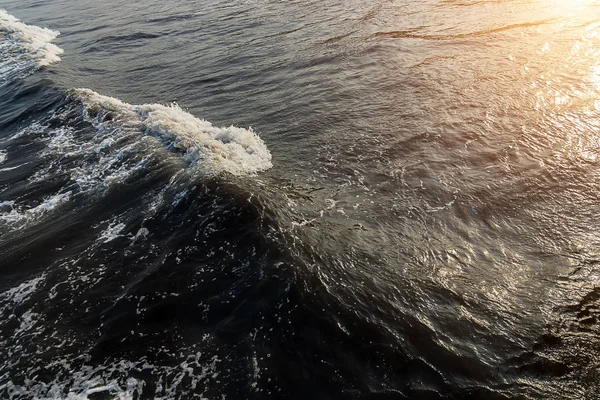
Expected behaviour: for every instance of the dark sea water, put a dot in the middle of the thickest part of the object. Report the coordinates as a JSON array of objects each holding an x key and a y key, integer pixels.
[{"x": 300, "y": 199}]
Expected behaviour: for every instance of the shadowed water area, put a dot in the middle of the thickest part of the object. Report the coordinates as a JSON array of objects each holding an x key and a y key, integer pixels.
[{"x": 300, "y": 200}]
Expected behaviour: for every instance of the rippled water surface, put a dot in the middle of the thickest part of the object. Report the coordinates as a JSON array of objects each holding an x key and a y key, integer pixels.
[{"x": 304, "y": 199}]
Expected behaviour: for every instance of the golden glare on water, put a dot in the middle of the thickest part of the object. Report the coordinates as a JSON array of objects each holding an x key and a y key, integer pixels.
[{"x": 570, "y": 55}]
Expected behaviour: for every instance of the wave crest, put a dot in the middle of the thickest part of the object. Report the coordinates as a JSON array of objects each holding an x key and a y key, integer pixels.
[
  {"x": 24, "y": 48},
  {"x": 237, "y": 151}
]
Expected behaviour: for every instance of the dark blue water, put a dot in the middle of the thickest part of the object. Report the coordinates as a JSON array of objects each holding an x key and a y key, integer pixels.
[{"x": 300, "y": 200}]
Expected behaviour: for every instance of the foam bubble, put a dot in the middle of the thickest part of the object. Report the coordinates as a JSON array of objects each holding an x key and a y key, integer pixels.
[
  {"x": 2, "y": 156},
  {"x": 24, "y": 48},
  {"x": 213, "y": 149}
]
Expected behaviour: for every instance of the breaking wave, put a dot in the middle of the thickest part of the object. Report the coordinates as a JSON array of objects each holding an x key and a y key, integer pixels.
[
  {"x": 90, "y": 143},
  {"x": 24, "y": 48}
]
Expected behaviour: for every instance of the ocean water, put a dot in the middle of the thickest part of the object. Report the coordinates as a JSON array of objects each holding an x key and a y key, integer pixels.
[{"x": 255, "y": 199}]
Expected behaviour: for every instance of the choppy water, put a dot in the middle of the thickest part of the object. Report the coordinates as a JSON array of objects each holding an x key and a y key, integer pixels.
[{"x": 392, "y": 199}]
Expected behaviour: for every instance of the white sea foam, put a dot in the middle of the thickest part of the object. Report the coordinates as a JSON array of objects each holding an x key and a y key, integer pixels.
[
  {"x": 2, "y": 156},
  {"x": 114, "y": 381},
  {"x": 19, "y": 294},
  {"x": 213, "y": 149},
  {"x": 141, "y": 235},
  {"x": 18, "y": 218},
  {"x": 97, "y": 165},
  {"x": 112, "y": 232},
  {"x": 24, "y": 48}
]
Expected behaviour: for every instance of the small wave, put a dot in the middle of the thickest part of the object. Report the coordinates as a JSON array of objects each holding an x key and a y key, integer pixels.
[
  {"x": 24, "y": 48},
  {"x": 2, "y": 156},
  {"x": 234, "y": 150},
  {"x": 413, "y": 33}
]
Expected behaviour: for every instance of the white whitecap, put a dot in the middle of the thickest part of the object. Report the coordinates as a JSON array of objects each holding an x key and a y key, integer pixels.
[
  {"x": 24, "y": 48},
  {"x": 237, "y": 151}
]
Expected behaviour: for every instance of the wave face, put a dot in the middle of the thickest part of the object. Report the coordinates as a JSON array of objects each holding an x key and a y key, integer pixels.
[{"x": 24, "y": 48}]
